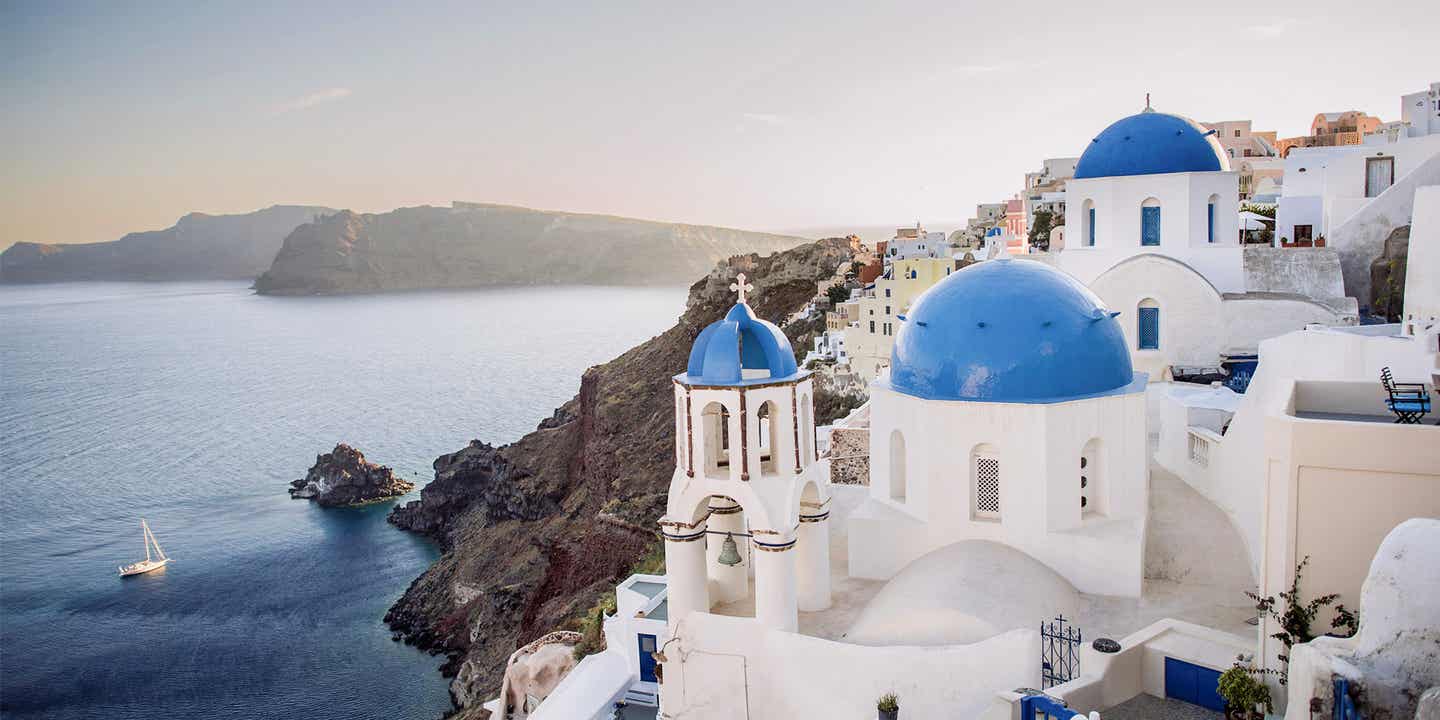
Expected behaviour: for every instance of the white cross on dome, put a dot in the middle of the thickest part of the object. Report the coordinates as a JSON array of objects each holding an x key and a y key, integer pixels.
[{"x": 741, "y": 287}]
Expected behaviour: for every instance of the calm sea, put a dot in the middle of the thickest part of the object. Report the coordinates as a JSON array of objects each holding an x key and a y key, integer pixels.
[{"x": 193, "y": 406}]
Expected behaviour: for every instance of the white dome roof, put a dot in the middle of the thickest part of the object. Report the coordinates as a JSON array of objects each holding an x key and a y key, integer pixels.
[{"x": 963, "y": 593}]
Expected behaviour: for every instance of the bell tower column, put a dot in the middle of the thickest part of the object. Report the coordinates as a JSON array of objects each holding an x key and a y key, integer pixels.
[
  {"x": 775, "y": 582},
  {"x": 730, "y": 582},
  {"x": 812, "y": 547},
  {"x": 685, "y": 571}
]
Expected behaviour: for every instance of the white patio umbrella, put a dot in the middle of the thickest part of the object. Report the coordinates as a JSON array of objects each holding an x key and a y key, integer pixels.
[{"x": 1253, "y": 221}]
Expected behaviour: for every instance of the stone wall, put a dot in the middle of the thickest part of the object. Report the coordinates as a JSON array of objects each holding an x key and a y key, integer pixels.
[
  {"x": 850, "y": 456},
  {"x": 1311, "y": 272}
]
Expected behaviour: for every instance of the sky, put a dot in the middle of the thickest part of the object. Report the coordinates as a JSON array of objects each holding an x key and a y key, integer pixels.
[{"x": 125, "y": 116}]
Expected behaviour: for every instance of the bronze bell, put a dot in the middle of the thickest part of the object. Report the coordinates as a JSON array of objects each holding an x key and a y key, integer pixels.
[{"x": 729, "y": 551}]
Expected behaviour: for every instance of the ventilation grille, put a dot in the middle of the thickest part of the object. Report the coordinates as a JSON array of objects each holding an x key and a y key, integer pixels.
[{"x": 987, "y": 487}]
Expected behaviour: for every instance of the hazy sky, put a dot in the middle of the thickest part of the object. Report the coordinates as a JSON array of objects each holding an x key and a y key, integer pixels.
[{"x": 124, "y": 116}]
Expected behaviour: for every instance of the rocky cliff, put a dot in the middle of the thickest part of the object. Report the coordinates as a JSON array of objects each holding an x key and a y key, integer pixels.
[
  {"x": 474, "y": 245},
  {"x": 534, "y": 532},
  {"x": 198, "y": 247},
  {"x": 344, "y": 477}
]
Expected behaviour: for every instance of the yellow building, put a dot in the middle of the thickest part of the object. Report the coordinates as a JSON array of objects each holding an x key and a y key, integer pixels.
[
  {"x": 840, "y": 318},
  {"x": 872, "y": 331}
]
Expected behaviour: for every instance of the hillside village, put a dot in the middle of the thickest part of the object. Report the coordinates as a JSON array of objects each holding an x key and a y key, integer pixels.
[{"x": 1152, "y": 437}]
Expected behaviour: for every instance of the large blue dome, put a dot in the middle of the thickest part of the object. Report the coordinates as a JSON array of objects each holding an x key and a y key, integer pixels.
[
  {"x": 727, "y": 348},
  {"x": 1151, "y": 143},
  {"x": 1010, "y": 331}
]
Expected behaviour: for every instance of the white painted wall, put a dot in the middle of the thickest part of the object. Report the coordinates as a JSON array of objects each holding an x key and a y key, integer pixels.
[
  {"x": 1109, "y": 679},
  {"x": 1183, "y": 201},
  {"x": 1192, "y": 330},
  {"x": 1392, "y": 658},
  {"x": 1235, "y": 477},
  {"x": 1039, "y": 447},
  {"x": 1422, "y": 279},
  {"x": 724, "y": 667},
  {"x": 1335, "y": 489}
]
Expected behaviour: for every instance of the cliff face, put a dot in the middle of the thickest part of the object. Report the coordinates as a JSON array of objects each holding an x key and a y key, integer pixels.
[
  {"x": 527, "y": 544},
  {"x": 344, "y": 477},
  {"x": 198, "y": 247},
  {"x": 473, "y": 245}
]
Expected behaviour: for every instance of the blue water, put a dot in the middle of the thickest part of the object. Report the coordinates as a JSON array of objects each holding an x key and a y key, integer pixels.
[{"x": 193, "y": 405}]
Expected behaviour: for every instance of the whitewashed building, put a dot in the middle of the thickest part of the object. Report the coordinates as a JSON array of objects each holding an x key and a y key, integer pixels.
[{"x": 1152, "y": 226}]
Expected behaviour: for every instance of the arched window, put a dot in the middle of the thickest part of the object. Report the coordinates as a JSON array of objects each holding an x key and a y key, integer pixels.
[
  {"x": 897, "y": 466},
  {"x": 1092, "y": 479},
  {"x": 1150, "y": 223},
  {"x": 985, "y": 483},
  {"x": 1147, "y": 318},
  {"x": 715, "y": 434},
  {"x": 767, "y": 416},
  {"x": 681, "y": 436},
  {"x": 1088, "y": 218},
  {"x": 1210, "y": 218},
  {"x": 807, "y": 433}
]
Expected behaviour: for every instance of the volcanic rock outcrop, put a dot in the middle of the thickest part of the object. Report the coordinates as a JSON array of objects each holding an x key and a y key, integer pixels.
[
  {"x": 344, "y": 477},
  {"x": 534, "y": 532}
]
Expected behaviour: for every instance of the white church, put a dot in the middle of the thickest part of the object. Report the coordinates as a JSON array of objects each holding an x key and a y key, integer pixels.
[
  {"x": 1153, "y": 229},
  {"x": 1047, "y": 518}
]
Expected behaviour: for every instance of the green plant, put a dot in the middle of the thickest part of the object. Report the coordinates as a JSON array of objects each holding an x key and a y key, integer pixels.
[
  {"x": 1242, "y": 690},
  {"x": 1294, "y": 617},
  {"x": 888, "y": 702},
  {"x": 1266, "y": 209},
  {"x": 1040, "y": 229},
  {"x": 837, "y": 293}
]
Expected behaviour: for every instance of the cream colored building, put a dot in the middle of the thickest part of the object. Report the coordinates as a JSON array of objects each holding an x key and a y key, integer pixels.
[{"x": 872, "y": 330}]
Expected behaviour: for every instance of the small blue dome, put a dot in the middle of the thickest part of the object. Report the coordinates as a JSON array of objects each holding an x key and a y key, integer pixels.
[
  {"x": 740, "y": 342},
  {"x": 1151, "y": 143},
  {"x": 1010, "y": 331}
]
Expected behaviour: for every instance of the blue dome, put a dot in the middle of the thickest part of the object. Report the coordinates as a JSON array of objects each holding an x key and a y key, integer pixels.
[
  {"x": 1151, "y": 143},
  {"x": 740, "y": 342},
  {"x": 1010, "y": 331}
]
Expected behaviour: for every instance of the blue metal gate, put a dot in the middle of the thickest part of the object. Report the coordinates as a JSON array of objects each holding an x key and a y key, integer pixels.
[
  {"x": 1193, "y": 684},
  {"x": 1042, "y": 707},
  {"x": 1059, "y": 655}
]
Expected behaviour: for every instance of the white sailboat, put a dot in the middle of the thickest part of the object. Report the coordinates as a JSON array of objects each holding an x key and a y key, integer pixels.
[{"x": 151, "y": 562}]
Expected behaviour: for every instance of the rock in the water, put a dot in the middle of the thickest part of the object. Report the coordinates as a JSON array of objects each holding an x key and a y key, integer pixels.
[{"x": 344, "y": 477}]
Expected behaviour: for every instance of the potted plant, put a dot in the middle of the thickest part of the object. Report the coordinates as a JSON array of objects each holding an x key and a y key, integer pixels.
[
  {"x": 1246, "y": 697},
  {"x": 888, "y": 706}
]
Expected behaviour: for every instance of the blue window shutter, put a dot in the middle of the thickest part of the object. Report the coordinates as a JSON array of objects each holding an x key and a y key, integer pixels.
[
  {"x": 1149, "y": 328},
  {"x": 1150, "y": 226},
  {"x": 1091, "y": 231},
  {"x": 1210, "y": 223}
]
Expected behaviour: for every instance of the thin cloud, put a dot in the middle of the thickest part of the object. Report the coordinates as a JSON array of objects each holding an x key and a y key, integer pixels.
[
  {"x": 973, "y": 70},
  {"x": 765, "y": 118},
  {"x": 305, "y": 102},
  {"x": 1274, "y": 29}
]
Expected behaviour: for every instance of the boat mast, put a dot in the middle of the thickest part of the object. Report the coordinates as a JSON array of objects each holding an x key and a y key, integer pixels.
[{"x": 146, "y": 530}]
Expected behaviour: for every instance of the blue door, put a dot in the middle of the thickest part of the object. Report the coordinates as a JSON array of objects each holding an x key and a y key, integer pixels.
[
  {"x": 1149, "y": 328},
  {"x": 647, "y": 661},
  {"x": 1210, "y": 223},
  {"x": 1193, "y": 684},
  {"x": 1150, "y": 226},
  {"x": 1090, "y": 230}
]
